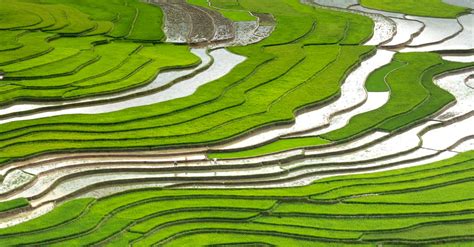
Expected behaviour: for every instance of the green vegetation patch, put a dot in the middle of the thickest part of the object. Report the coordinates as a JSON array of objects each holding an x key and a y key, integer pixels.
[
  {"x": 340, "y": 211},
  {"x": 60, "y": 215},
  {"x": 247, "y": 238},
  {"x": 376, "y": 80},
  {"x": 13, "y": 204},
  {"x": 229, "y": 9},
  {"x": 431, "y": 8},
  {"x": 453, "y": 192},
  {"x": 105, "y": 68},
  {"x": 452, "y": 229}
]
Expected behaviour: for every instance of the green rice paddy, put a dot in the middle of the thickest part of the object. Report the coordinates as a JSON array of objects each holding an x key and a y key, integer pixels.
[
  {"x": 54, "y": 51},
  {"x": 394, "y": 207}
]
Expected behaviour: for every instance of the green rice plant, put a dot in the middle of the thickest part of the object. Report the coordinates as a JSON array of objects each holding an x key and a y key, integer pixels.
[
  {"x": 50, "y": 15},
  {"x": 59, "y": 14},
  {"x": 86, "y": 222},
  {"x": 9, "y": 39},
  {"x": 61, "y": 215},
  {"x": 291, "y": 23},
  {"x": 437, "y": 99},
  {"x": 117, "y": 18},
  {"x": 227, "y": 4},
  {"x": 101, "y": 84},
  {"x": 360, "y": 223},
  {"x": 80, "y": 43},
  {"x": 57, "y": 54},
  {"x": 15, "y": 15},
  {"x": 147, "y": 24},
  {"x": 433, "y": 8},
  {"x": 33, "y": 44},
  {"x": 368, "y": 223},
  {"x": 114, "y": 225},
  {"x": 105, "y": 59},
  {"x": 78, "y": 22},
  {"x": 125, "y": 18},
  {"x": 123, "y": 240},
  {"x": 97, "y": 10},
  {"x": 150, "y": 224},
  {"x": 376, "y": 80},
  {"x": 69, "y": 65},
  {"x": 146, "y": 207},
  {"x": 233, "y": 12},
  {"x": 32, "y": 94},
  {"x": 121, "y": 65},
  {"x": 13, "y": 204},
  {"x": 56, "y": 18},
  {"x": 335, "y": 27},
  {"x": 328, "y": 30},
  {"x": 461, "y": 229},
  {"x": 102, "y": 28},
  {"x": 167, "y": 234},
  {"x": 122, "y": 218},
  {"x": 450, "y": 192},
  {"x": 411, "y": 183},
  {"x": 236, "y": 238},
  {"x": 354, "y": 209},
  {"x": 358, "y": 29}
]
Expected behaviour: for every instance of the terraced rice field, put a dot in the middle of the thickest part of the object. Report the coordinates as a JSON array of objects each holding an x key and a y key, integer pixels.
[{"x": 236, "y": 123}]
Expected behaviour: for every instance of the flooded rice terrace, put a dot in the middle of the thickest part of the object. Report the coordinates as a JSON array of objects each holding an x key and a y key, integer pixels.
[{"x": 50, "y": 178}]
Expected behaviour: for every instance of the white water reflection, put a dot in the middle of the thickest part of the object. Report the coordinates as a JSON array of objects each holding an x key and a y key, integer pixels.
[
  {"x": 224, "y": 62},
  {"x": 350, "y": 170},
  {"x": 14, "y": 180},
  {"x": 394, "y": 145},
  {"x": 55, "y": 185},
  {"x": 462, "y": 3},
  {"x": 375, "y": 11},
  {"x": 406, "y": 29},
  {"x": 26, "y": 215},
  {"x": 443, "y": 138},
  {"x": 459, "y": 58},
  {"x": 456, "y": 85},
  {"x": 336, "y": 3},
  {"x": 436, "y": 29},
  {"x": 350, "y": 145},
  {"x": 374, "y": 101},
  {"x": 466, "y": 146},
  {"x": 462, "y": 41},
  {"x": 384, "y": 29}
]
